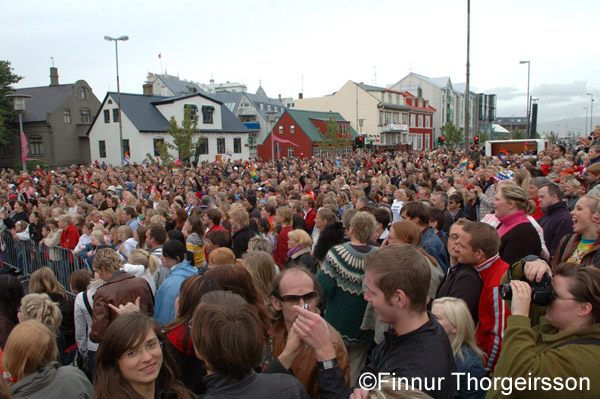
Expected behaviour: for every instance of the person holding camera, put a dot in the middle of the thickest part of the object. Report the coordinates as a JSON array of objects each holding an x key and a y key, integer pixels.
[{"x": 565, "y": 345}]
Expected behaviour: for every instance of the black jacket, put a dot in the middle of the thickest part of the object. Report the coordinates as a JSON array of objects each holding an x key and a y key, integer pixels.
[
  {"x": 254, "y": 385},
  {"x": 240, "y": 241},
  {"x": 463, "y": 282}
]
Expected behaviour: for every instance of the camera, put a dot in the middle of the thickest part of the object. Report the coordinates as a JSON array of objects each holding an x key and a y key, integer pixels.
[{"x": 542, "y": 293}]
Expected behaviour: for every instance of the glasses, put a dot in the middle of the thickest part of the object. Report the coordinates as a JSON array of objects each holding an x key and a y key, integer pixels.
[
  {"x": 295, "y": 299},
  {"x": 150, "y": 347}
]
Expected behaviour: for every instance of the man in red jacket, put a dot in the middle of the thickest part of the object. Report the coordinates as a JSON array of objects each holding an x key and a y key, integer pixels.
[{"x": 478, "y": 245}]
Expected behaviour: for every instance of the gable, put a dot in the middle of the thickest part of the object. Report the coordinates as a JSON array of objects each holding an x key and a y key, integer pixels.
[{"x": 43, "y": 100}]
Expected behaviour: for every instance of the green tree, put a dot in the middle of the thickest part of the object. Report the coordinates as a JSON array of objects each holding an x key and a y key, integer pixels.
[
  {"x": 332, "y": 139},
  {"x": 519, "y": 134},
  {"x": 452, "y": 135},
  {"x": 7, "y": 78},
  {"x": 183, "y": 138}
]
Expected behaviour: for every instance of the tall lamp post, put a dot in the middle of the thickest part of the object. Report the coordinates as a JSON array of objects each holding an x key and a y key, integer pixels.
[
  {"x": 467, "y": 91},
  {"x": 19, "y": 107},
  {"x": 585, "y": 126},
  {"x": 591, "y": 110},
  {"x": 528, "y": 101},
  {"x": 271, "y": 125},
  {"x": 116, "y": 40}
]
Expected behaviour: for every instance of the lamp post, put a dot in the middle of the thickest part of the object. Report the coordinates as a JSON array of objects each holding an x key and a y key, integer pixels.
[
  {"x": 467, "y": 109},
  {"x": 271, "y": 121},
  {"x": 528, "y": 102},
  {"x": 585, "y": 126},
  {"x": 19, "y": 107},
  {"x": 591, "y": 110},
  {"x": 116, "y": 40}
]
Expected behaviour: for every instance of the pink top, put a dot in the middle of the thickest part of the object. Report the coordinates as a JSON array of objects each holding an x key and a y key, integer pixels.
[{"x": 510, "y": 221}]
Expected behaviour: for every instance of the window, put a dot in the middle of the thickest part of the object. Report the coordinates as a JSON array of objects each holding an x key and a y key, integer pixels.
[
  {"x": 82, "y": 93},
  {"x": 86, "y": 115},
  {"x": 67, "y": 115},
  {"x": 202, "y": 148},
  {"x": 390, "y": 98},
  {"x": 36, "y": 145},
  {"x": 102, "y": 148},
  {"x": 405, "y": 119},
  {"x": 126, "y": 149},
  {"x": 262, "y": 106},
  {"x": 420, "y": 119},
  {"x": 396, "y": 117},
  {"x": 193, "y": 111},
  {"x": 388, "y": 118},
  {"x": 155, "y": 142},
  {"x": 207, "y": 113},
  {"x": 268, "y": 107},
  {"x": 6, "y": 150},
  {"x": 292, "y": 129},
  {"x": 116, "y": 114},
  {"x": 380, "y": 118},
  {"x": 419, "y": 142},
  {"x": 290, "y": 152},
  {"x": 220, "y": 145},
  {"x": 427, "y": 142},
  {"x": 237, "y": 145},
  {"x": 280, "y": 129},
  {"x": 428, "y": 121},
  {"x": 412, "y": 120},
  {"x": 106, "y": 116}
]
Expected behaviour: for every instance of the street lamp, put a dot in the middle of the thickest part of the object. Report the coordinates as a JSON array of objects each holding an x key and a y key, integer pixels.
[
  {"x": 271, "y": 125},
  {"x": 591, "y": 109},
  {"x": 19, "y": 107},
  {"x": 528, "y": 103},
  {"x": 585, "y": 126},
  {"x": 116, "y": 40}
]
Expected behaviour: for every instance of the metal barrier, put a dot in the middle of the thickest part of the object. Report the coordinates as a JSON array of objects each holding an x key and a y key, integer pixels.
[{"x": 29, "y": 257}]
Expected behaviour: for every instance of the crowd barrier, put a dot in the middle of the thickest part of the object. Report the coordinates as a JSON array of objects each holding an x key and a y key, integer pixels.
[{"x": 29, "y": 257}]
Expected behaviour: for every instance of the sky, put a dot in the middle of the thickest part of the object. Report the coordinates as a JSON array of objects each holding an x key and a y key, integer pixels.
[{"x": 315, "y": 46}]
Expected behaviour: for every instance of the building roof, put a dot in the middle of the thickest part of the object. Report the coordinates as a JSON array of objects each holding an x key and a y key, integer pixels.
[
  {"x": 304, "y": 120},
  {"x": 142, "y": 112},
  {"x": 232, "y": 100},
  {"x": 180, "y": 87},
  {"x": 44, "y": 100}
]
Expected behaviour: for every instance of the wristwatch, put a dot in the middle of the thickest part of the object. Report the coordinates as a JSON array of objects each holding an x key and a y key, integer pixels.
[{"x": 327, "y": 364}]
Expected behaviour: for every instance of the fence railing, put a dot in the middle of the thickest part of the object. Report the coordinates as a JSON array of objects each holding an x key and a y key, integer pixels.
[{"x": 29, "y": 257}]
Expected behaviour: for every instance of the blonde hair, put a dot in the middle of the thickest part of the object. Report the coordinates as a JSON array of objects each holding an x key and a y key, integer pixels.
[
  {"x": 30, "y": 345},
  {"x": 40, "y": 307},
  {"x": 261, "y": 266},
  {"x": 286, "y": 214},
  {"x": 458, "y": 314},
  {"x": 301, "y": 237},
  {"x": 240, "y": 216},
  {"x": 522, "y": 177},
  {"x": 514, "y": 193},
  {"x": 221, "y": 256},
  {"x": 125, "y": 232},
  {"x": 43, "y": 281},
  {"x": 142, "y": 257}
]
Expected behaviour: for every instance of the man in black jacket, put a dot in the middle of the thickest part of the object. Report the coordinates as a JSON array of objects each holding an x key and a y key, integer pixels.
[{"x": 416, "y": 346}]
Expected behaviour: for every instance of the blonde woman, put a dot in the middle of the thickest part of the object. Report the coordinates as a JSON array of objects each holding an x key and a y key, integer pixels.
[
  {"x": 262, "y": 268},
  {"x": 454, "y": 316},
  {"x": 141, "y": 264},
  {"x": 299, "y": 244},
  {"x": 41, "y": 308},
  {"x": 126, "y": 241}
]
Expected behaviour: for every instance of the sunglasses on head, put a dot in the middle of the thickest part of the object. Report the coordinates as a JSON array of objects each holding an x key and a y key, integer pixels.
[{"x": 295, "y": 299}]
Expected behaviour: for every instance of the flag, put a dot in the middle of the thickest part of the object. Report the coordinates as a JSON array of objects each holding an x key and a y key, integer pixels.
[
  {"x": 253, "y": 172},
  {"x": 159, "y": 56},
  {"x": 462, "y": 164},
  {"x": 503, "y": 153},
  {"x": 24, "y": 147}
]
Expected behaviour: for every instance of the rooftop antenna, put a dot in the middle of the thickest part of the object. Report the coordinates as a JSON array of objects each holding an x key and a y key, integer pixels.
[{"x": 52, "y": 58}]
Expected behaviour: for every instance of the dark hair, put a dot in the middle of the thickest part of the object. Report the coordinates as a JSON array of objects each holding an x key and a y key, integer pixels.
[
  {"x": 554, "y": 190},
  {"x": 214, "y": 215},
  {"x": 158, "y": 232},
  {"x": 263, "y": 225},
  {"x": 416, "y": 210},
  {"x": 176, "y": 235},
  {"x": 124, "y": 333},
  {"x": 80, "y": 279},
  {"x": 174, "y": 249},
  {"x": 585, "y": 284},
  {"x": 197, "y": 224},
  {"x": 457, "y": 198},
  {"x": 191, "y": 292},
  {"x": 131, "y": 212},
  {"x": 226, "y": 332},
  {"x": 438, "y": 216},
  {"x": 220, "y": 237},
  {"x": 11, "y": 292},
  {"x": 141, "y": 233},
  {"x": 382, "y": 217}
]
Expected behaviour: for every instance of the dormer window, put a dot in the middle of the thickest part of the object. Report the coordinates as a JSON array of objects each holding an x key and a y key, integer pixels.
[{"x": 207, "y": 113}]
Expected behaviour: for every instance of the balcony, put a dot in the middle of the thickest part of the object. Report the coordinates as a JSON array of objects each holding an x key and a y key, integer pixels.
[
  {"x": 247, "y": 111},
  {"x": 392, "y": 127}
]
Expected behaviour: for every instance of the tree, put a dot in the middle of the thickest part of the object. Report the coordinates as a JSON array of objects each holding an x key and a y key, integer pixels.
[
  {"x": 183, "y": 138},
  {"x": 519, "y": 134},
  {"x": 333, "y": 140},
  {"x": 452, "y": 135},
  {"x": 7, "y": 113}
]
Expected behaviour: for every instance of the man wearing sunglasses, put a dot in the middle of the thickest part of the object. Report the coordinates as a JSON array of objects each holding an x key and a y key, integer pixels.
[{"x": 296, "y": 286}]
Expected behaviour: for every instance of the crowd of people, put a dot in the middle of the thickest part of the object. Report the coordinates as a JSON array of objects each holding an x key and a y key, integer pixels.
[{"x": 297, "y": 278}]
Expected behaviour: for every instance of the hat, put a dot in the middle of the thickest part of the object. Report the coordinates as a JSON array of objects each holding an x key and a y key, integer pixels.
[
  {"x": 252, "y": 200},
  {"x": 345, "y": 187}
]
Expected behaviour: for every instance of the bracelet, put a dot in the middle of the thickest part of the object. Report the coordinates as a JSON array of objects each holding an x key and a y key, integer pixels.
[{"x": 327, "y": 364}]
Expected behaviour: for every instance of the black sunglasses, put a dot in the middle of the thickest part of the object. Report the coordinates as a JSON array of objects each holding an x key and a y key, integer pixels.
[{"x": 295, "y": 299}]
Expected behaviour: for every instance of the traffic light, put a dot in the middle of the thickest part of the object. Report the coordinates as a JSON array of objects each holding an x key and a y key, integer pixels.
[
  {"x": 476, "y": 139},
  {"x": 359, "y": 142},
  {"x": 441, "y": 140}
]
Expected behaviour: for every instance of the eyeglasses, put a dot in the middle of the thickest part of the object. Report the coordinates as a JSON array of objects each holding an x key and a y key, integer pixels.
[
  {"x": 150, "y": 347},
  {"x": 295, "y": 299}
]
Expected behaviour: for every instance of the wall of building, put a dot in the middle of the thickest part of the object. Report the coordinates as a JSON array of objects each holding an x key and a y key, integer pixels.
[{"x": 304, "y": 148}]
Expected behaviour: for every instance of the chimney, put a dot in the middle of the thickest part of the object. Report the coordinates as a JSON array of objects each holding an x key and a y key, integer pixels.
[
  {"x": 53, "y": 76},
  {"x": 148, "y": 89},
  {"x": 300, "y": 96},
  {"x": 279, "y": 97}
]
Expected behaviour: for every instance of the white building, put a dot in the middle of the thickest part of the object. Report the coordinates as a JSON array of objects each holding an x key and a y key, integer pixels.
[
  {"x": 145, "y": 119},
  {"x": 169, "y": 86}
]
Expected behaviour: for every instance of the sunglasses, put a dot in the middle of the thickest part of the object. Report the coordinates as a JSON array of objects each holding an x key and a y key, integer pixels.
[{"x": 295, "y": 299}]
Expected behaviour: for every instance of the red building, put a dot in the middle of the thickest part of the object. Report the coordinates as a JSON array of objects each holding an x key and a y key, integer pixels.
[
  {"x": 420, "y": 122},
  {"x": 299, "y": 133}
]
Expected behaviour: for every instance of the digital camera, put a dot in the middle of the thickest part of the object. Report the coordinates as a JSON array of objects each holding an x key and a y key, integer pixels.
[{"x": 542, "y": 293}]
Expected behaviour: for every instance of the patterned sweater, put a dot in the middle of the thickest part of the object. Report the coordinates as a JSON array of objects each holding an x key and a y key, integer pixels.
[{"x": 341, "y": 278}]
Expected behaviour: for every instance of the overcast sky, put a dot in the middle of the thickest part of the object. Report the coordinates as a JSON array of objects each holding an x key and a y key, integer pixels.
[{"x": 316, "y": 46}]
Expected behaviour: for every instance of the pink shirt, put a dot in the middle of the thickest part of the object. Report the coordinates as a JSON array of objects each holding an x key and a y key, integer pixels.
[{"x": 510, "y": 221}]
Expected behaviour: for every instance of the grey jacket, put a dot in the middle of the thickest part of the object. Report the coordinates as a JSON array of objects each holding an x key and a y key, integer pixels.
[{"x": 53, "y": 381}]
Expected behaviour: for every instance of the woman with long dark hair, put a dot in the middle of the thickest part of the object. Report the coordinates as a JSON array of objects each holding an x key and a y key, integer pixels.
[
  {"x": 179, "y": 340},
  {"x": 131, "y": 362},
  {"x": 11, "y": 292}
]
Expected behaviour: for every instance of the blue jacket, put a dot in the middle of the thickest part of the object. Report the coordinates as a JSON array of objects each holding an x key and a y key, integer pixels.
[
  {"x": 164, "y": 307},
  {"x": 472, "y": 367},
  {"x": 432, "y": 244}
]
